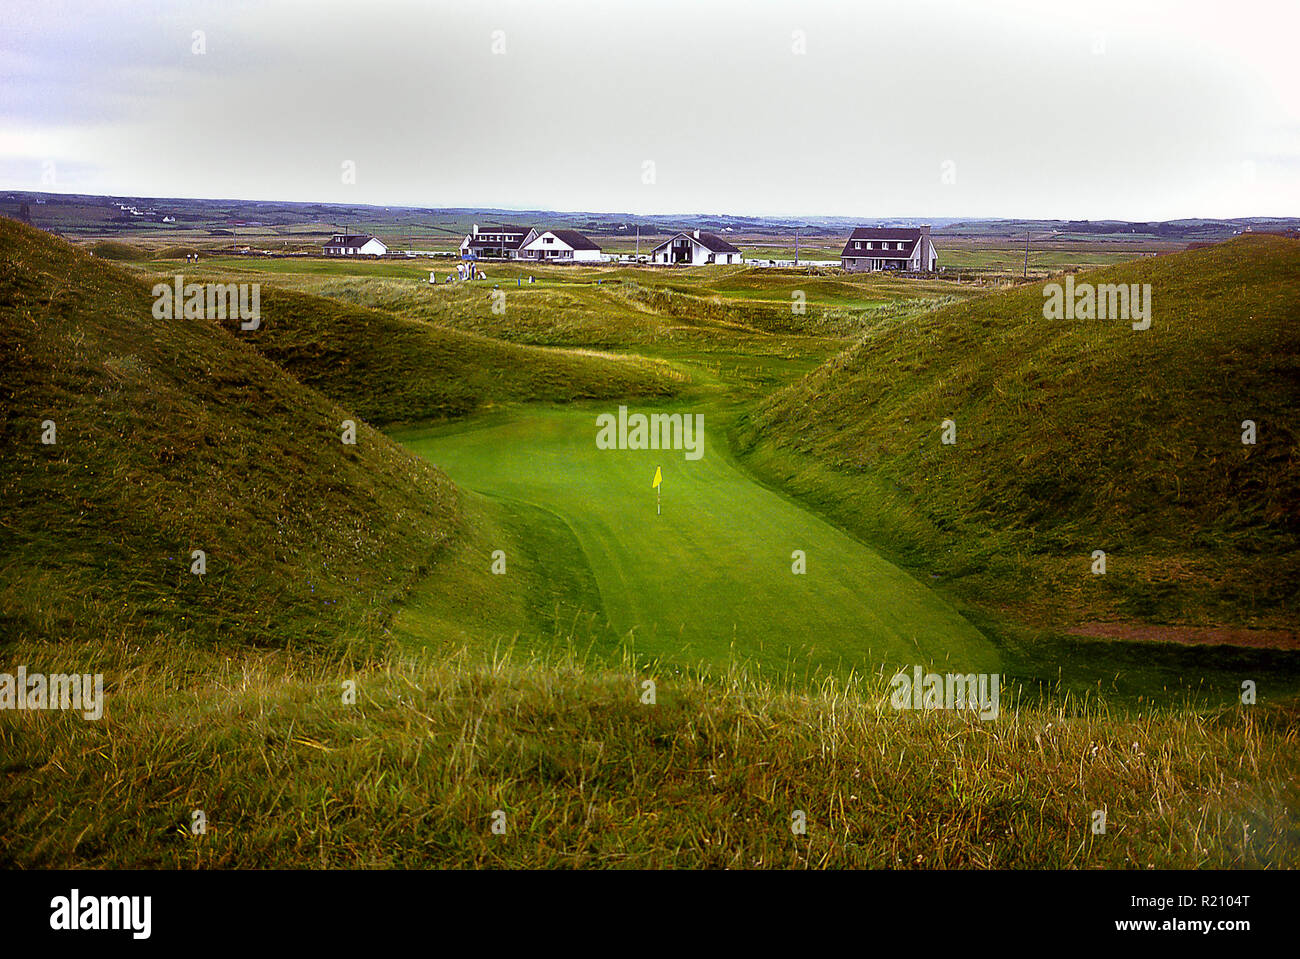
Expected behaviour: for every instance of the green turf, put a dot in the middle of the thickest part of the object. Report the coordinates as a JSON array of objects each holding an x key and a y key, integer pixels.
[
  {"x": 710, "y": 578},
  {"x": 605, "y": 306},
  {"x": 180, "y": 433},
  {"x": 390, "y": 369},
  {"x": 1073, "y": 435},
  {"x": 171, "y": 435}
]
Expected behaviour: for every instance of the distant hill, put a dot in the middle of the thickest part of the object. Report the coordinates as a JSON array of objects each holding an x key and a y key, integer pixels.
[
  {"x": 1074, "y": 436},
  {"x": 287, "y": 221},
  {"x": 173, "y": 436}
]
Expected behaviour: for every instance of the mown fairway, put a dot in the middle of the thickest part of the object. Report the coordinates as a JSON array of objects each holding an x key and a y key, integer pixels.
[{"x": 711, "y": 577}]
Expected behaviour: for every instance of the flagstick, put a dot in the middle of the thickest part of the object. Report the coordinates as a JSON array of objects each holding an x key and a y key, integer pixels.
[{"x": 659, "y": 492}]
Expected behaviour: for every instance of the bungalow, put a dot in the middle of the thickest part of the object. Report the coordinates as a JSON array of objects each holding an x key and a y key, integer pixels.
[
  {"x": 886, "y": 248},
  {"x": 694, "y": 249},
  {"x": 563, "y": 246},
  {"x": 355, "y": 244},
  {"x": 501, "y": 242}
]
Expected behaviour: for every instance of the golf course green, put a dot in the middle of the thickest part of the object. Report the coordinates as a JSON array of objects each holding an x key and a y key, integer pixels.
[{"x": 710, "y": 580}]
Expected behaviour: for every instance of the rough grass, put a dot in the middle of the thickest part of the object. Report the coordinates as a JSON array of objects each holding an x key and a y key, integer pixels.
[
  {"x": 586, "y": 775},
  {"x": 179, "y": 252},
  {"x": 224, "y": 693},
  {"x": 1072, "y": 436},
  {"x": 559, "y": 313},
  {"x": 173, "y": 436},
  {"x": 616, "y": 306},
  {"x": 116, "y": 250},
  {"x": 392, "y": 369}
]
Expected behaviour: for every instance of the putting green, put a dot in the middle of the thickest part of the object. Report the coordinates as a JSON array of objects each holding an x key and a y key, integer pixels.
[{"x": 710, "y": 578}]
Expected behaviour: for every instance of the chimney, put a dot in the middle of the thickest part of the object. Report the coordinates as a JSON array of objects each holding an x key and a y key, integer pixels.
[
  {"x": 697, "y": 234},
  {"x": 474, "y": 231},
  {"x": 925, "y": 229}
]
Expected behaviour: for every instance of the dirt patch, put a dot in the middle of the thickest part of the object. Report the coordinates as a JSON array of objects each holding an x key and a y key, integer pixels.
[{"x": 1192, "y": 635}]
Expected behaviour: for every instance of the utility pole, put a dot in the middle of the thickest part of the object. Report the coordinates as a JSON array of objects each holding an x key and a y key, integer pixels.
[
  {"x": 796, "y": 247},
  {"x": 638, "y": 241},
  {"x": 1026, "y": 274}
]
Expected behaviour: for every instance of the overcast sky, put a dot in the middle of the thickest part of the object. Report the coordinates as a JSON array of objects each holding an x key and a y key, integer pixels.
[{"x": 1098, "y": 109}]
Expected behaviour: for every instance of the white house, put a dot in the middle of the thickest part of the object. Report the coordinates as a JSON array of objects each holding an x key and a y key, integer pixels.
[
  {"x": 355, "y": 244},
  {"x": 694, "y": 249},
  {"x": 886, "y": 248},
  {"x": 564, "y": 246},
  {"x": 501, "y": 242}
]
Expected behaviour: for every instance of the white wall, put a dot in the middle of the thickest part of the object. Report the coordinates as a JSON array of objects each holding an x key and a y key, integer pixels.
[
  {"x": 557, "y": 249},
  {"x": 699, "y": 254}
]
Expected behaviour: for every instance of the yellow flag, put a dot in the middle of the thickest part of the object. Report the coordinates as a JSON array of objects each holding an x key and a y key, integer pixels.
[{"x": 659, "y": 477}]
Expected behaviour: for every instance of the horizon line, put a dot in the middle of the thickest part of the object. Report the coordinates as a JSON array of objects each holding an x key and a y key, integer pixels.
[{"x": 630, "y": 213}]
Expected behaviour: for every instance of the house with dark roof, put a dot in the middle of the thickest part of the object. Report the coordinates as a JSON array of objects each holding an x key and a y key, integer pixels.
[
  {"x": 695, "y": 249},
  {"x": 501, "y": 242},
  {"x": 888, "y": 248},
  {"x": 560, "y": 246},
  {"x": 355, "y": 244}
]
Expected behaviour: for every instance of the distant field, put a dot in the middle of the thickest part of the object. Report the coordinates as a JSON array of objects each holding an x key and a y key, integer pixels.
[
  {"x": 988, "y": 249},
  {"x": 1009, "y": 259},
  {"x": 953, "y": 255},
  {"x": 785, "y": 251}
]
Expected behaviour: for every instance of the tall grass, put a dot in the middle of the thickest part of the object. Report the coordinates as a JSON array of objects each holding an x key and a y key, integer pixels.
[
  {"x": 1073, "y": 436},
  {"x": 588, "y": 775}
]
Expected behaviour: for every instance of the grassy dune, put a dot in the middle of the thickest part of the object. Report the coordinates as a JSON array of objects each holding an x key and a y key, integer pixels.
[
  {"x": 610, "y": 306},
  {"x": 1073, "y": 436},
  {"x": 478, "y": 693},
  {"x": 116, "y": 250},
  {"x": 393, "y": 369},
  {"x": 173, "y": 436},
  {"x": 565, "y": 307}
]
